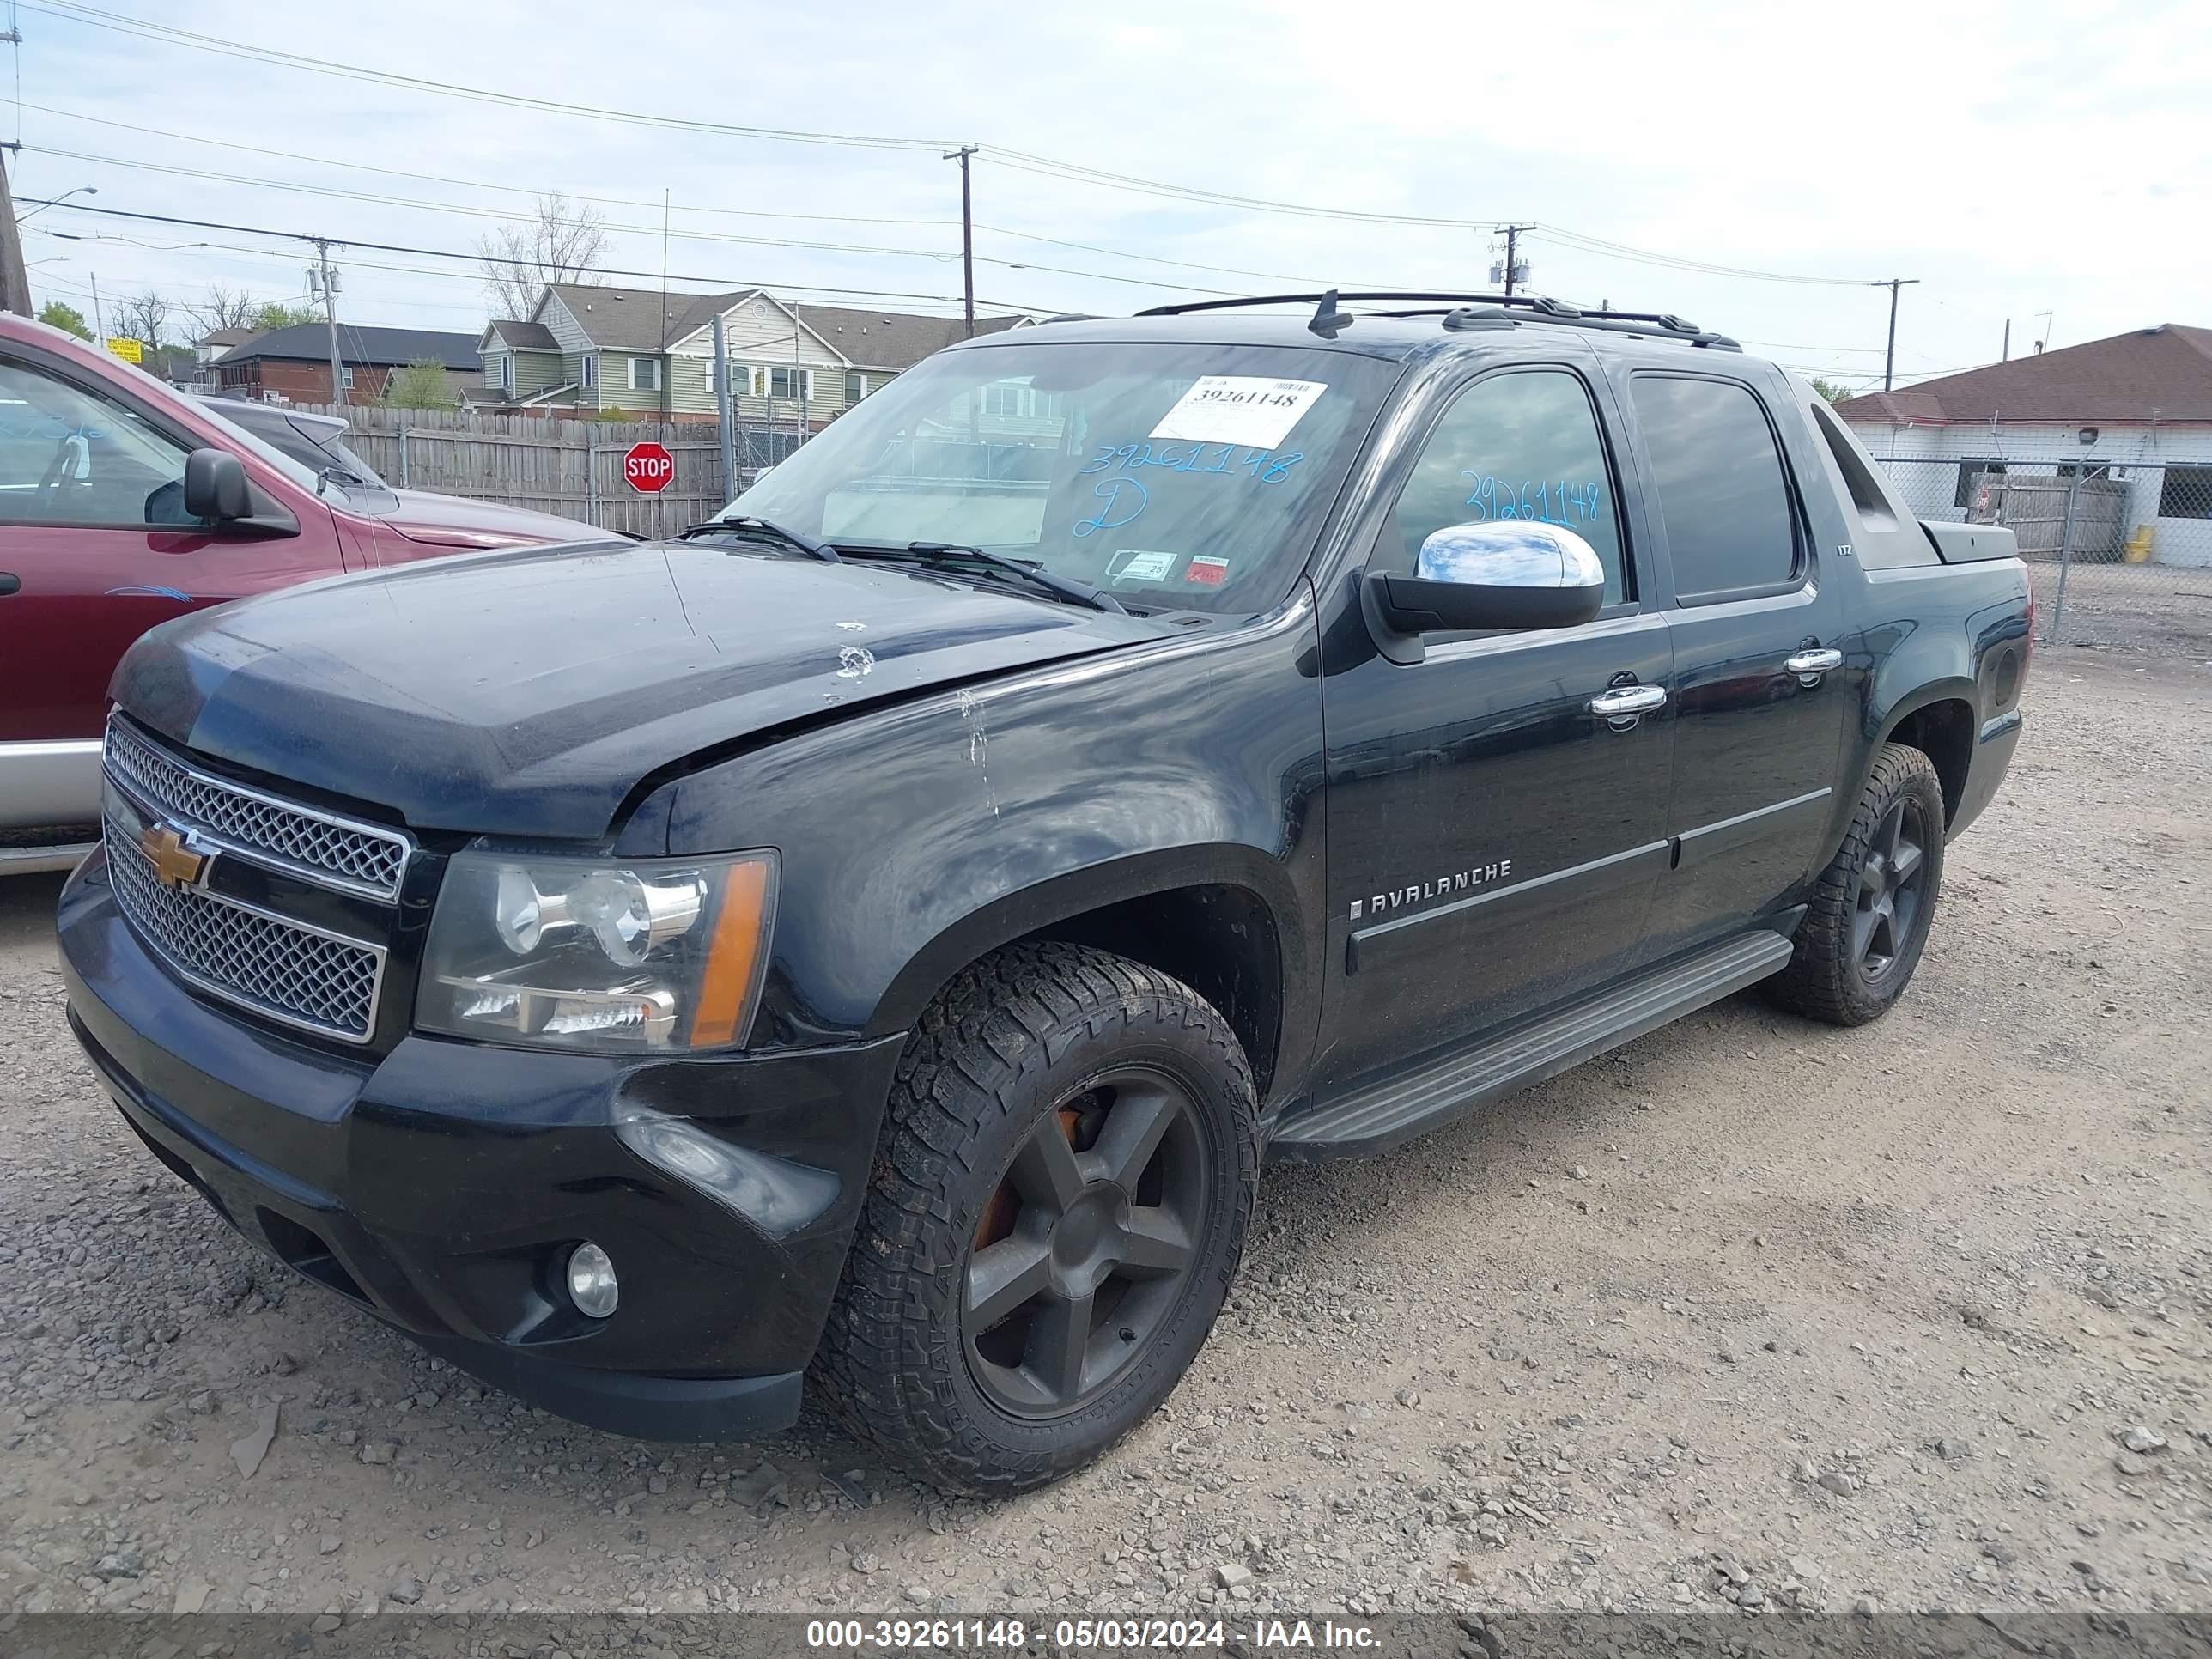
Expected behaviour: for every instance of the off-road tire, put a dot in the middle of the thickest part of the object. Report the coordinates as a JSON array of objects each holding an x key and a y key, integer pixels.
[
  {"x": 1005, "y": 1041},
  {"x": 1824, "y": 980}
]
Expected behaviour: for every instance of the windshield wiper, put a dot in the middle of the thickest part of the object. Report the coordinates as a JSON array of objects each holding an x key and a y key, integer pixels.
[
  {"x": 1065, "y": 589},
  {"x": 761, "y": 529}
]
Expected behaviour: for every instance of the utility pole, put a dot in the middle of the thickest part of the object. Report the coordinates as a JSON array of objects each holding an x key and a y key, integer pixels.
[
  {"x": 725, "y": 417},
  {"x": 328, "y": 283},
  {"x": 1889, "y": 357},
  {"x": 99, "y": 323},
  {"x": 2007, "y": 343},
  {"x": 1512, "y": 251},
  {"x": 967, "y": 234},
  {"x": 14, "y": 281}
]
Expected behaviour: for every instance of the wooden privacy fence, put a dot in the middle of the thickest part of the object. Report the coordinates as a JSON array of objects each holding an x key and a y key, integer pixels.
[{"x": 572, "y": 469}]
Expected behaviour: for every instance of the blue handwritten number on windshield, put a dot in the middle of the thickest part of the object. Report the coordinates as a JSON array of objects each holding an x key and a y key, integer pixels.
[{"x": 1112, "y": 492}]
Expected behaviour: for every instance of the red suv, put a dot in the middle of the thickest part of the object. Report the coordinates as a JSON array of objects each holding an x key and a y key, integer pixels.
[{"x": 124, "y": 503}]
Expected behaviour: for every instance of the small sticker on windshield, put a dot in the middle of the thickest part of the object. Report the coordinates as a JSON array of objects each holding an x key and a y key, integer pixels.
[
  {"x": 1238, "y": 409},
  {"x": 1141, "y": 564},
  {"x": 1206, "y": 571}
]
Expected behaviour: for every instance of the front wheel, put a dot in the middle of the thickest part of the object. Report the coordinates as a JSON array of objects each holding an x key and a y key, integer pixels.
[
  {"x": 1058, "y": 1204},
  {"x": 1862, "y": 935}
]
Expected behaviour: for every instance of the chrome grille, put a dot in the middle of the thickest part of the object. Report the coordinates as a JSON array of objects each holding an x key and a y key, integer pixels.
[
  {"x": 299, "y": 975},
  {"x": 361, "y": 857}
]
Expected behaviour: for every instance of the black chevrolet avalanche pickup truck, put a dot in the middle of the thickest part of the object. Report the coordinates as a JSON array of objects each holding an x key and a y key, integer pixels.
[{"x": 877, "y": 935}]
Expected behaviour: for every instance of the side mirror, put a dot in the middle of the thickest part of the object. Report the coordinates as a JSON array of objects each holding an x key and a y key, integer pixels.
[
  {"x": 1508, "y": 574},
  {"x": 216, "y": 489}
]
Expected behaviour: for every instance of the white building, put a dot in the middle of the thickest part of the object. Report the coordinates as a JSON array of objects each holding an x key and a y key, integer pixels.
[{"x": 2134, "y": 410}]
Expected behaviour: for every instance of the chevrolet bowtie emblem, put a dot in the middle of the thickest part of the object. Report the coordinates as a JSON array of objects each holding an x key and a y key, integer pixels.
[{"x": 176, "y": 862}]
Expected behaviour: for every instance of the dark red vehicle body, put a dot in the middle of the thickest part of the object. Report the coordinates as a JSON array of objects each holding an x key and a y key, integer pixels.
[{"x": 78, "y": 584}]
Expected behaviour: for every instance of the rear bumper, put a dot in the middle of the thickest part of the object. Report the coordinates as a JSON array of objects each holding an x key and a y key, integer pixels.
[{"x": 442, "y": 1185}]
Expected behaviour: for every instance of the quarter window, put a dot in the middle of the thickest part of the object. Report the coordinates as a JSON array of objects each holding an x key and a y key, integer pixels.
[
  {"x": 69, "y": 455},
  {"x": 1723, "y": 497},
  {"x": 1516, "y": 446}
]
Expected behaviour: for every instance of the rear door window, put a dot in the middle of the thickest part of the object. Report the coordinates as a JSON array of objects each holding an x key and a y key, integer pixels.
[{"x": 1724, "y": 496}]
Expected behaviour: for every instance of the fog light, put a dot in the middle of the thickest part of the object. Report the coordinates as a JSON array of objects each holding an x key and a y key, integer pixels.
[{"x": 591, "y": 1280}]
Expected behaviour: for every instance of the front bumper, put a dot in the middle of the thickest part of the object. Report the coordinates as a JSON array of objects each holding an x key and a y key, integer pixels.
[{"x": 441, "y": 1186}]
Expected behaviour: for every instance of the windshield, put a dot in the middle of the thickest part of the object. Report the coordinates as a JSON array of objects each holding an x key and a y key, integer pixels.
[{"x": 1172, "y": 475}]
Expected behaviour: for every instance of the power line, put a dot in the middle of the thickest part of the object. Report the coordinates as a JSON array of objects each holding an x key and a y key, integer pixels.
[
  {"x": 623, "y": 201},
  {"x": 1021, "y": 160},
  {"x": 1560, "y": 236},
  {"x": 146, "y": 29},
  {"x": 446, "y": 275},
  {"x": 474, "y": 258},
  {"x": 475, "y": 184},
  {"x": 725, "y": 237}
]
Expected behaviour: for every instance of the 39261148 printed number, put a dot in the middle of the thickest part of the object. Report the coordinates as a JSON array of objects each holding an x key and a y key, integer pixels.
[
  {"x": 945, "y": 1635},
  {"x": 920, "y": 1635}
]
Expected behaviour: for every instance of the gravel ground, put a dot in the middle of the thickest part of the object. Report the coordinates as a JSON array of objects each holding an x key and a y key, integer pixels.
[
  {"x": 2156, "y": 610},
  {"x": 1752, "y": 1311}
]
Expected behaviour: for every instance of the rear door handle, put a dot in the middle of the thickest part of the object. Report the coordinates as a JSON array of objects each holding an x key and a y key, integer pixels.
[
  {"x": 1813, "y": 664},
  {"x": 9, "y": 581},
  {"x": 1629, "y": 700}
]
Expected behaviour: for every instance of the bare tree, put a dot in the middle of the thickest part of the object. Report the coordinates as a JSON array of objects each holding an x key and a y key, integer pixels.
[
  {"x": 145, "y": 317},
  {"x": 556, "y": 244},
  {"x": 224, "y": 308}
]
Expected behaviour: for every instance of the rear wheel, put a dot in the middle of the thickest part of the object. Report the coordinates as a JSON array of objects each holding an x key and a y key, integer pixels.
[
  {"x": 1862, "y": 935},
  {"x": 1058, "y": 1208}
]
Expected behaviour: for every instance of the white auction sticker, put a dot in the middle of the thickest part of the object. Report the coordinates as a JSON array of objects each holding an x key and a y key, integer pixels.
[
  {"x": 1143, "y": 565},
  {"x": 1239, "y": 409}
]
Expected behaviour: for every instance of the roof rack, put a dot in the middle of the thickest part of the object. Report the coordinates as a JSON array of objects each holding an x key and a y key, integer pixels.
[{"x": 1461, "y": 311}]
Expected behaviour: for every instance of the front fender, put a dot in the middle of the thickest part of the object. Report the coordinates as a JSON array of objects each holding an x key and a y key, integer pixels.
[{"x": 917, "y": 837}]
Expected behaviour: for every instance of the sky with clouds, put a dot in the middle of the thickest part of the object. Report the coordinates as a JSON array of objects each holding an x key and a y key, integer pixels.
[{"x": 2017, "y": 160}]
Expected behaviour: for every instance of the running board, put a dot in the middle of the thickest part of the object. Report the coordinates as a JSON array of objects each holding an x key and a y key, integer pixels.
[{"x": 1384, "y": 1115}]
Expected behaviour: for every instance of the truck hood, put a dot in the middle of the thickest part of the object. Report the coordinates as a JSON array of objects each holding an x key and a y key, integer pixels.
[
  {"x": 456, "y": 522},
  {"x": 528, "y": 692}
]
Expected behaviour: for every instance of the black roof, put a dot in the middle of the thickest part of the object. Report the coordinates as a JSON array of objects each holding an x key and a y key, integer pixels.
[{"x": 311, "y": 342}]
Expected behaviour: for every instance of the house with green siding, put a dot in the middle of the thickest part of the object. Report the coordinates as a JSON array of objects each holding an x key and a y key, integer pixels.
[{"x": 651, "y": 356}]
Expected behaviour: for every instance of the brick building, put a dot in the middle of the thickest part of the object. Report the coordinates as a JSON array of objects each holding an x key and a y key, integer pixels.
[{"x": 294, "y": 363}]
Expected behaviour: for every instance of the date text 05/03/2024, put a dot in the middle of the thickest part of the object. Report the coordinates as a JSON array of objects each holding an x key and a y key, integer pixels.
[{"x": 1081, "y": 1635}]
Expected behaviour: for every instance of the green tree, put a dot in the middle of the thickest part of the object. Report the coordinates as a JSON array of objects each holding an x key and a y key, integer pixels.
[
  {"x": 276, "y": 314},
  {"x": 419, "y": 386},
  {"x": 1830, "y": 391},
  {"x": 55, "y": 314}
]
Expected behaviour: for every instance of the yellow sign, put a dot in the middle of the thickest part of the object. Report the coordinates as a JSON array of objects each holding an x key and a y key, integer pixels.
[{"x": 130, "y": 350}]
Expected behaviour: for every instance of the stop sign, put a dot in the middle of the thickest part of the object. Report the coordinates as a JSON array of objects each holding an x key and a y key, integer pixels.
[{"x": 649, "y": 467}]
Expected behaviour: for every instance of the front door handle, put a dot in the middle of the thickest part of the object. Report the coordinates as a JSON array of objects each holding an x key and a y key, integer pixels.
[
  {"x": 1809, "y": 666},
  {"x": 1629, "y": 700},
  {"x": 9, "y": 581}
]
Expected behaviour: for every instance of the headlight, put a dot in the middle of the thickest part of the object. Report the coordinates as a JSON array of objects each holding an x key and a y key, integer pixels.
[{"x": 654, "y": 953}]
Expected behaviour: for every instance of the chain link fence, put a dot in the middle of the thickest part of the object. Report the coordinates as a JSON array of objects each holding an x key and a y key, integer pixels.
[{"x": 2120, "y": 554}]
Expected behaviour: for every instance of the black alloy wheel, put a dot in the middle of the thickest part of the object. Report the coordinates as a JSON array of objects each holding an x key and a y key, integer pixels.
[
  {"x": 1086, "y": 1246},
  {"x": 1869, "y": 915},
  {"x": 1887, "y": 902},
  {"x": 1069, "y": 1160}
]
